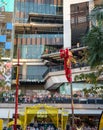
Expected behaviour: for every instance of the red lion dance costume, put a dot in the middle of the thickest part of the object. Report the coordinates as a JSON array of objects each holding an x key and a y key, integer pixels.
[{"x": 68, "y": 58}]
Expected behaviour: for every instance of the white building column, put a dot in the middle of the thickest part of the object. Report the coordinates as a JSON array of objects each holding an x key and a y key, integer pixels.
[
  {"x": 67, "y": 23},
  {"x": 91, "y": 5}
]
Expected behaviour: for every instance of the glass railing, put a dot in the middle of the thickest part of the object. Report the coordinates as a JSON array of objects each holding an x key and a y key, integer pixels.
[
  {"x": 61, "y": 67},
  {"x": 40, "y": 36},
  {"x": 31, "y": 7},
  {"x": 29, "y": 77},
  {"x": 50, "y": 69},
  {"x": 55, "y": 100}
]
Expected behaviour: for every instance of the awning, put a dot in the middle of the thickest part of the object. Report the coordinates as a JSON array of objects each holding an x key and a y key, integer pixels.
[
  {"x": 86, "y": 112},
  {"x": 6, "y": 113}
]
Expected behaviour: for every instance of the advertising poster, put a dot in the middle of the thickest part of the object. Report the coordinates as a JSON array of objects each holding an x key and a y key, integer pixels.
[
  {"x": 6, "y": 5},
  {"x": 5, "y": 76}
]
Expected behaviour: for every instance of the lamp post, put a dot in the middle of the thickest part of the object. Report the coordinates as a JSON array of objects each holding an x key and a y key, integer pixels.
[
  {"x": 68, "y": 58},
  {"x": 17, "y": 88}
]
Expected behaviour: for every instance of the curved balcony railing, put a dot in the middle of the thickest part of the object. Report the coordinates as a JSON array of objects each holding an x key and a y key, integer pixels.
[
  {"x": 61, "y": 67},
  {"x": 35, "y": 77}
]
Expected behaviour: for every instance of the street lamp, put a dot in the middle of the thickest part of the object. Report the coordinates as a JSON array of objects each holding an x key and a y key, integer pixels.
[{"x": 68, "y": 58}]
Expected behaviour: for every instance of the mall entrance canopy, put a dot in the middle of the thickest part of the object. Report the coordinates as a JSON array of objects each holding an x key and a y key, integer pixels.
[{"x": 59, "y": 117}]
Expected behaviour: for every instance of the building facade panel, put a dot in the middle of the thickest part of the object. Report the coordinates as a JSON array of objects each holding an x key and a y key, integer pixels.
[
  {"x": 5, "y": 47},
  {"x": 75, "y": 12},
  {"x": 41, "y": 7},
  {"x": 30, "y": 44}
]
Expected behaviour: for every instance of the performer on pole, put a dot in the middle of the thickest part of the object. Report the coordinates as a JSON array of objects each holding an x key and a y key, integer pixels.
[{"x": 68, "y": 58}]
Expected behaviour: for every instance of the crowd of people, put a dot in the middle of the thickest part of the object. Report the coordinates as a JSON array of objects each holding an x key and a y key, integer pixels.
[
  {"x": 49, "y": 126},
  {"x": 41, "y": 126},
  {"x": 50, "y": 98}
]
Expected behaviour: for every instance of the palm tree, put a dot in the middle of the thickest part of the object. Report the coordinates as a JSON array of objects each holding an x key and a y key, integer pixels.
[
  {"x": 96, "y": 16},
  {"x": 94, "y": 38}
]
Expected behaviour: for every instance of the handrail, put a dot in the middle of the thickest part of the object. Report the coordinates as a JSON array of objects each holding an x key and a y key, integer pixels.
[{"x": 63, "y": 100}]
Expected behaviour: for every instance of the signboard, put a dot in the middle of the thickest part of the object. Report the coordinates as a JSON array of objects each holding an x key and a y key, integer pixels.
[
  {"x": 5, "y": 75},
  {"x": 42, "y": 113},
  {"x": 6, "y": 5}
]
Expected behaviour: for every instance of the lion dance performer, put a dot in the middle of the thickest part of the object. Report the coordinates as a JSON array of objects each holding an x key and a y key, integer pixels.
[{"x": 68, "y": 58}]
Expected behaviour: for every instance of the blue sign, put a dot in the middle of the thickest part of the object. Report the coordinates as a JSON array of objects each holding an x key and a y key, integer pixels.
[
  {"x": 2, "y": 38},
  {"x": 9, "y": 26},
  {"x": 8, "y": 45}
]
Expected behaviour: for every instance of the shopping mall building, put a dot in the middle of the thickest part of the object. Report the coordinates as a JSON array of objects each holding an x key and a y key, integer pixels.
[
  {"x": 41, "y": 29},
  {"x": 38, "y": 29}
]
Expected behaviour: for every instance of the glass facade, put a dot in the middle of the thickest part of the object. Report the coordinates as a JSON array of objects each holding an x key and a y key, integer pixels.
[
  {"x": 32, "y": 46},
  {"x": 35, "y": 72},
  {"x": 79, "y": 21},
  {"x": 35, "y": 40},
  {"x": 24, "y": 7}
]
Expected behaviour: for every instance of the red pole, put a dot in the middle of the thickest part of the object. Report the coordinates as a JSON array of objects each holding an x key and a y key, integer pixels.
[
  {"x": 16, "y": 95},
  {"x": 67, "y": 55}
]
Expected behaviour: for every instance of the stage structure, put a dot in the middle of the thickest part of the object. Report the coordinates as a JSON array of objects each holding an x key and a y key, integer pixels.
[{"x": 59, "y": 117}]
